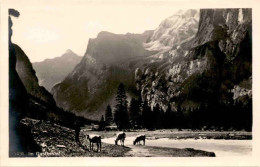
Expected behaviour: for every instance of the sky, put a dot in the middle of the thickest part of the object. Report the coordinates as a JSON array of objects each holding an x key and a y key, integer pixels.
[{"x": 46, "y": 29}]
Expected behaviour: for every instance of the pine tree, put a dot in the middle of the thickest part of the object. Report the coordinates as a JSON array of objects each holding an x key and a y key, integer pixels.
[
  {"x": 102, "y": 123},
  {"x": 140, "y": 107},
  {"x": 147, "y": 116},
  {"x": 121, "y": 117},
  {"x": 134, "y": 113},
  {"x": 157, "y": 116},
  {"x": 180, "y": 117},
  {"x": 168, "y": 117},
  {"x": 108, "y": 115}
]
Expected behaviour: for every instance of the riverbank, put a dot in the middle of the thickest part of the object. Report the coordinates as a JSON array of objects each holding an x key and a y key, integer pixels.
[
  {"x": 221, "y": 148},
  {"x": 152, "y": 151},
  {"x": 176, "y": 134},
  {"x": 58, "y": 141}
]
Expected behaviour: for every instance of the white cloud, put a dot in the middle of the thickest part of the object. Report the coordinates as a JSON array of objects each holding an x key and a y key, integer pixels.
[
  {"x": 49, "y": 29},
  {"x": 41, "y": 35}
]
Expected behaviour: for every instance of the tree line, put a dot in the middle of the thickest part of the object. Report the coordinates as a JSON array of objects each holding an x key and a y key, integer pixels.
[{"x": 139, "y": 114}]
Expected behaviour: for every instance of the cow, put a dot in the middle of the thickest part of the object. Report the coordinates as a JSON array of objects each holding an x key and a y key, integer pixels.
[
  {"x": 138, "y": 139},
  {"x": 94, "y": 139},
  {"x": 120, "y": 136}
]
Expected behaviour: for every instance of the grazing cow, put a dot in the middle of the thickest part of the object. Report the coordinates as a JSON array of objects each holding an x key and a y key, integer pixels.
[
  {"x": 94, "y": 139},
  {"x": 139, "y": 138},
  {"x": 120, "y": 136}
]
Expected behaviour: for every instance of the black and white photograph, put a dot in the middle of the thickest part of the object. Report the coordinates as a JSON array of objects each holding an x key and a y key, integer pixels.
[{"x": 128, "y": 79}]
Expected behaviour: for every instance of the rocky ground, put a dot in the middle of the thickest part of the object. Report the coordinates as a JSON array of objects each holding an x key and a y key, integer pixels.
[{"x": 59, "y": 141}]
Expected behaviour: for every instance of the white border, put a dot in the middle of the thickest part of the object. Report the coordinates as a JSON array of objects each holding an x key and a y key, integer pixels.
[{"x": 233, "y": 161}]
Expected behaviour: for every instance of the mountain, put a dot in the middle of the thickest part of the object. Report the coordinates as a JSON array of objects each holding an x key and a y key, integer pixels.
[
  {"x": 88, "y": 88},
  {"x": 112, "y": 58},
  {"x": 174, "y": 31},
  {"x": 40, "y": 103},
  {"x": 193, "y": 59},
  {"x": 214, "y": 67},
  {"x": 111, "y": 48},
  {"x": 30, "y": 81},
  {"x": 52, "y": 71}
]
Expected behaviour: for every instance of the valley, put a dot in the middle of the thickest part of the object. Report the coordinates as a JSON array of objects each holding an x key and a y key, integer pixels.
[{"x": 187, "y": 81}]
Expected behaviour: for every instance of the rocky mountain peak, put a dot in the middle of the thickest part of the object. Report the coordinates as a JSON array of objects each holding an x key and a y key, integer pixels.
[
  {"x": 217, "y": 24},
  {"x": 174, "y": 30},
  {"x": 51, "y": 71},
  {"x": 69, "y": 54},
  {"x": 217, "y": 58},
  {"x": 103, "y": 33},
  {"x": 109, "y": 48},
  {"x": 187, "y": 13},
  {"x": 69, "y": 51}
]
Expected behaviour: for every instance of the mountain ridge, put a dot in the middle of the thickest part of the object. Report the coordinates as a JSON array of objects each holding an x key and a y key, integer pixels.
[
  {"x": 104, "y": 65},
  {"x": 52, "y": 71},
  {"x": 185, "y": 74}
]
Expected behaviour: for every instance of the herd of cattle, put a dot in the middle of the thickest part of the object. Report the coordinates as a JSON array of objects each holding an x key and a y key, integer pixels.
[{"x": 119, "y": 137}]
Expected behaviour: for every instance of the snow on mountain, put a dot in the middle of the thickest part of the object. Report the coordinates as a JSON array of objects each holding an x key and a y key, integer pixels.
[{"x": 174, "y": 30}]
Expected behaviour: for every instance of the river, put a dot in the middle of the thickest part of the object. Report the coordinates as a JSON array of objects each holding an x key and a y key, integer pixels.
[{"x": 222, "y": 148}]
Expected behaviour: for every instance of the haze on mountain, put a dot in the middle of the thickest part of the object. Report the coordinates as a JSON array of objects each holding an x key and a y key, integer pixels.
[
  {"x": 28, "y": 99},
  {"x": 52, "y": 71},
  {"x": 188, "y": 61},
  {"x": 113, "y": 58},
  {"x": 105, "y": 64}
]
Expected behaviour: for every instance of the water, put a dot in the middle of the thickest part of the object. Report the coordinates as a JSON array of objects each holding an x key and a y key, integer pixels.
[{"x": 222, "y": 148}]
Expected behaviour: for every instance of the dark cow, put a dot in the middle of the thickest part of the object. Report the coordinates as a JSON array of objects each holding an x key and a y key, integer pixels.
[
  {"x": 94, "y": 139},
  {"x": 120, "y": 136},
  {"x": 138, "y": 139}
]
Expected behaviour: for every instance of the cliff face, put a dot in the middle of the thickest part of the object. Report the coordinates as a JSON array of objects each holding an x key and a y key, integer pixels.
[
  {"x": 174, "y": 31},
  {"x": 213, "y": 64},
  {"x": 111, "y": 48},
  {"x": 28, "y": 77},
  {"x": 109, "y": 59},
  {"x": 52, "y": 71}
]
